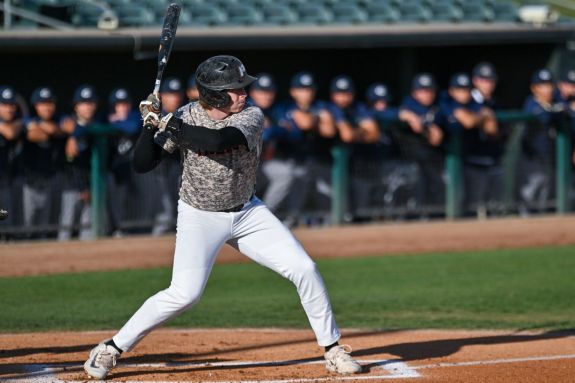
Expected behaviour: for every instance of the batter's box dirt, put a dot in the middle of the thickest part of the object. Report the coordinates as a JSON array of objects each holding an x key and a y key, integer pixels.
[{"x": 292, "y": 356}]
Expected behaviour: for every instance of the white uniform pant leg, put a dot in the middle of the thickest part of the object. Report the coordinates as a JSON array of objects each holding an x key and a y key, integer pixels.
[
  {"x": 199, "y": 237},
  {"x": 262, "y": 237}
]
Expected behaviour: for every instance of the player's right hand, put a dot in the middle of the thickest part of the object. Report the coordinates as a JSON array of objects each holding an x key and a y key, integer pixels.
[{"x": 150, "y": 109}]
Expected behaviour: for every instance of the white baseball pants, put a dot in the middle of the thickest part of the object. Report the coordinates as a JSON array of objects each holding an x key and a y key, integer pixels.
[{"x": 255, "y": 232}]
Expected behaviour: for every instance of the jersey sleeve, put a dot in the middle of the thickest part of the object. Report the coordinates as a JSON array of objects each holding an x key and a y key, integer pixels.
[{"x": 251, "y": 123}]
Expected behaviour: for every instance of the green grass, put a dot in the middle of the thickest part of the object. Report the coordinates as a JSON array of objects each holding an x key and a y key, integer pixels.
[{"x": 511, "y": 289}]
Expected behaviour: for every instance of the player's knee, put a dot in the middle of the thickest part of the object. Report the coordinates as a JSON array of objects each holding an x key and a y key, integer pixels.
[
  {"x": 303, "y": 270},
  {"x": 185, "y": 296}
]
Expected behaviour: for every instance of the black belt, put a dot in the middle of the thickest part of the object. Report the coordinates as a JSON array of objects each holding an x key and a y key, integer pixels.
[{"x": 235, "y": 209}]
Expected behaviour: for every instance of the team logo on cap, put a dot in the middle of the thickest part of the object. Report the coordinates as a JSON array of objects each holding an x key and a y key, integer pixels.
[
  {"x": 342, "y": 83},
  {"x": 242, "y": 70},
  {"x": 265, "y": 81},
  {"x": 545, "y": 75},
  {"x": 7, "y": 93},
  {"x": 462, "y": 80},
  {"x": 121, "y": 94},
  {"x": 306, "y": 79},
  {"x": 86, "y": 93},
  {"x": 486, "y": 71},
  {"x": 174, "y": 84},
  {"x": 45, "y": 93},
  {"x": 425, "y": 80},
  {"x": 380, "y": 91},
  {"x": 571, "y": 75}
]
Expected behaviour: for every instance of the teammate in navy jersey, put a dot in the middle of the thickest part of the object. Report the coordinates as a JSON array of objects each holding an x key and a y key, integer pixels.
[
  {"x": 39, "y": 158},
  {"x": 538, "y": 143},
  {"x": 121, "y": 186},
  {"x": 422, "y": 139},
  {"x": 484, "y": 79},
  {"x": 462, "y": 114},
  {"x": 358, "y": 128},
  {"x": 75, "y": 206},
  {"x": 311, "y": 155},
  {"x": 10, "y": 133}
]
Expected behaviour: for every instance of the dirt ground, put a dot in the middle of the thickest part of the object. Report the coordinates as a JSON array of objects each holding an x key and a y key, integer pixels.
[{"x": 292, "y": 356}]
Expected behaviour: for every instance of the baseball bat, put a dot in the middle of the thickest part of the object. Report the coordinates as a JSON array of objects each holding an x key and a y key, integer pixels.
[{"x": 166, "y": 41}]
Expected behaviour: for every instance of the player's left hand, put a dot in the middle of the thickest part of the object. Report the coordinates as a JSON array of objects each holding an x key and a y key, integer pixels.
[{"x": 150, "y": 109}]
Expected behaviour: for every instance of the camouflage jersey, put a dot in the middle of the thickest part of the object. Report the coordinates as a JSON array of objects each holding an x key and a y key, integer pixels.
[{"x": 218, "y": 181}]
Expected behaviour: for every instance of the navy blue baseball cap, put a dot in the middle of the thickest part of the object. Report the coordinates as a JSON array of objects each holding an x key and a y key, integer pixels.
[
  {"x": 460, "y": 80},
  {"x": 377, "y": 92},
  {"x": 423, "y": 81},
  {"x": 43, "y": 94},
  {"x": 192, "y": 81},
  {"x": 85, "y": 93},
  {"x": 264, "y": 81},
  {"x": 303, "y": 80},
  {"x": 119, "y": 95},
  {"x": 7, "y": 95},
  {"x": 342, "y": 83},
  {"x": 542, "y": 76},
  {"x": 171, "y": 85},
  {"x": 485, "y": 70},
  {"x": 568, "y": 76}
]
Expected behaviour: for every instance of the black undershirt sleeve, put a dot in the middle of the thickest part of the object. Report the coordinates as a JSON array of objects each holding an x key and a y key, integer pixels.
[
  {"x": 211, "y": 140},
  {"x": 147, "y": 155}
]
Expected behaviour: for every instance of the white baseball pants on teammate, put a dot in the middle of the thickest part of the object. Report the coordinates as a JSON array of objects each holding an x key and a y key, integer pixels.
[{"x": 255, "y": 232}]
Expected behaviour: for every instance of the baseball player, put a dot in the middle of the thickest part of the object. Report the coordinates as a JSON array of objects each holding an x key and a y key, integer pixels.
[
  {"x": 192, "y": 90},
  {"x": 39, "y": 154},
  {"x": 478, "y": 125},
  {"x": 127, "y": 123},
  {"x": 422, "y": 141},
  {"x": 357, "y": 127},
  {"x": 220, "y": 142},
  {"x": 75, "y": 205},
  {"x": 10, "y": 130}
]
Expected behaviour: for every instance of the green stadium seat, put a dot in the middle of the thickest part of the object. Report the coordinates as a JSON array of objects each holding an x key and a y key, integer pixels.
[
  {"x": 313, "y": 14},
  {"x": 445, "y": 13},
  {"x": 414, "y": 12},
  {"x": 278, "y": 15},
  {"x": 204, "y": 15},
  {"x": 476, "y": 12},
  {"x": 242, "y": 14},
  {"x": 119, "y": 3},
  {"x": 382, "y": 12},
  {"x": 86, "y": 15},
  {"x": 348, "y": 14},
  {"x": 132, "y": 15},
  {"x": 505, "y": 11}
]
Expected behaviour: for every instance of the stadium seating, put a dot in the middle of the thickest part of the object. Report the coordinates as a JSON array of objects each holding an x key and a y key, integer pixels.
[{"x": 289, "y": 12}]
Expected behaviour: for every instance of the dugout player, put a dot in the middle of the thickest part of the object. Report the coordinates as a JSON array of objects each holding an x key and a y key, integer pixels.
[
  {"x": 421, "y": 141},
  {"x": 357, "y": 127},
  {"x": 192, "y": 89},
  {"x": 75, "y": 209},
  {"x": 121, "y": 188},
  {"x": 10, "y": 132},
  {"x": 220, "y": 139},
  {"x": 39, "y": 157},
  {"x": 538, "y": 143},
  {"x": 477, "y": 125}
]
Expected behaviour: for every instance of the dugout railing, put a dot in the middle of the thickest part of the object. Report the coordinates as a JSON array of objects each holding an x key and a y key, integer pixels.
[{"x": 394, "y": 197}]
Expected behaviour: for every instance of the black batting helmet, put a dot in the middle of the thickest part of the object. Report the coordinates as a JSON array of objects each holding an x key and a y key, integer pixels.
[{"x": 218, "y": 74}]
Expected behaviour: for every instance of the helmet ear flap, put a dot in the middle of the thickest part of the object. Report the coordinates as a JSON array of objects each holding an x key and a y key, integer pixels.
[{"x": 215, "y": 98}]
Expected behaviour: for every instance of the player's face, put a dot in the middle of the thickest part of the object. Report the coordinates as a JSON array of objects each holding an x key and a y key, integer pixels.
[
  {"x": 485, "y": 86},
  {"x": 461, "y": 95},
  {"x": 263, "y": 98},
  {"x": 380, "y": 105},
  {"x": 566, "y": 89},
  {"x": 45, "y": 110},
  {"x": 171, "y": 101},
  {"x": 7, "y": 111},
  {"x": 193, "y": 94},
  {"x": 425, "y": 97},
  {"x": 238, "y": 100},
  {"x": 543, "y": 91},
  {"x": 123, "y": 108},
  {"x": 303, "y": 96},
  {"x": 342, "y": 99},
  {"x": 85, "y": 110}
]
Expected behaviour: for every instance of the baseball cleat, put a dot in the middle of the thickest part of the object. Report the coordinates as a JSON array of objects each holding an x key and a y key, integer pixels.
[
  {"x": 102, "y": 358},
  {"x": 338, "y": 359}
]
